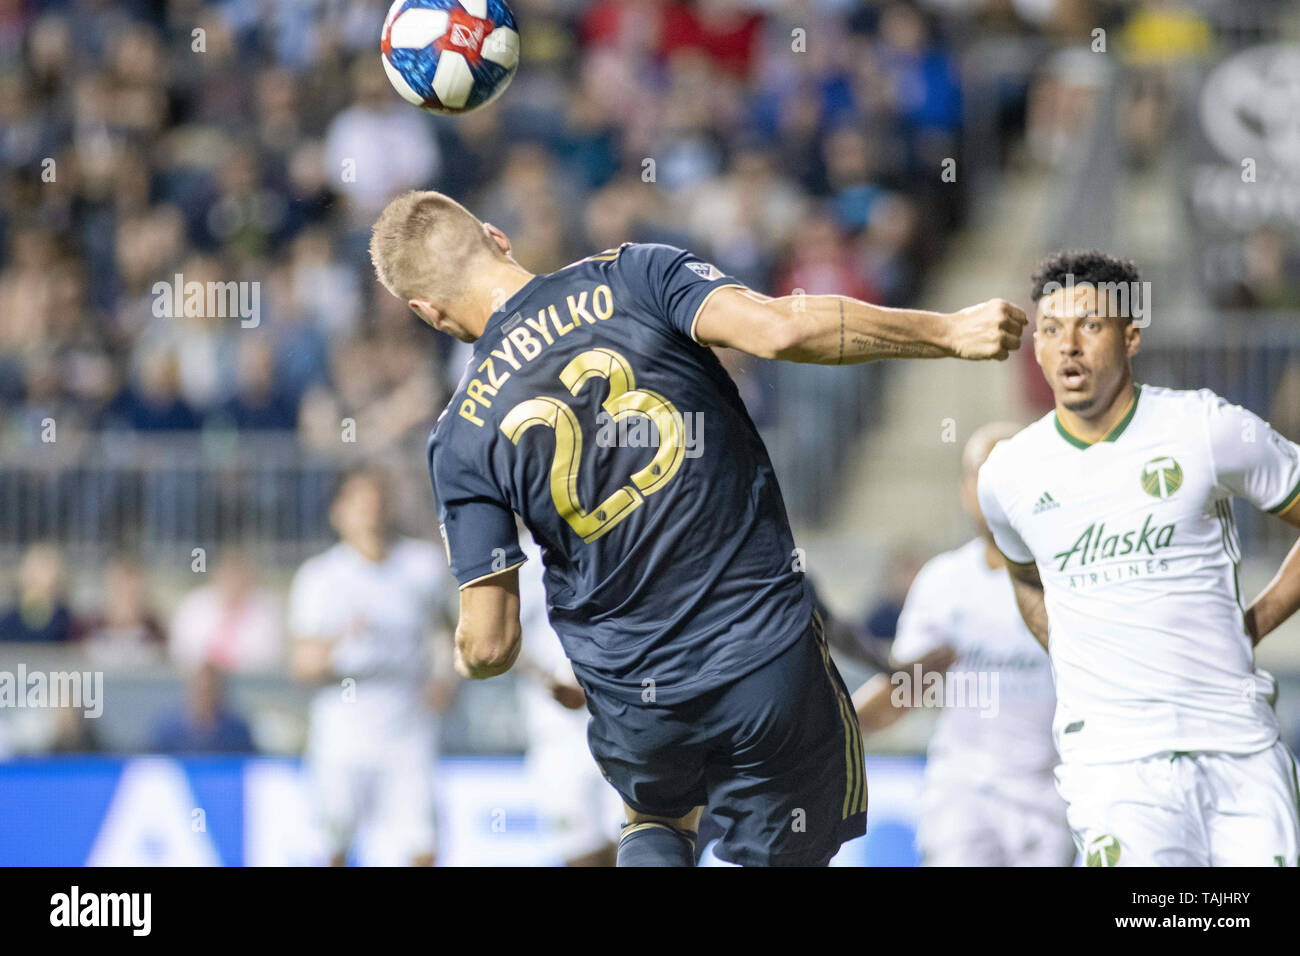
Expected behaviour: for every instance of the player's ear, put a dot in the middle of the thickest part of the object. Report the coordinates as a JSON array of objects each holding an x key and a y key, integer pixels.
[
  {"x": 429, "y": 313},
  {"x": 1132, "y": 339},
  {"x": 1039, "y": 343},
  {"x": 499, "y": 238}
]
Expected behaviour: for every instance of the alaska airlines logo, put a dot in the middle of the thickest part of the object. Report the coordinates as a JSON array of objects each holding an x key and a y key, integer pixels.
[
  {"x": 1161, "y": 477},
  {"x": 1094, "y": 543}
]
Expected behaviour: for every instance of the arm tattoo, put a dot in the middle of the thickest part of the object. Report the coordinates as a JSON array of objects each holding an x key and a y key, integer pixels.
[{"x": 880, "y": 346}]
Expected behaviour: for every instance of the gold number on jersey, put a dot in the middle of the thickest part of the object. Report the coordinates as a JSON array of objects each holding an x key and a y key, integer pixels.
[{"x": 624, "y": 400}]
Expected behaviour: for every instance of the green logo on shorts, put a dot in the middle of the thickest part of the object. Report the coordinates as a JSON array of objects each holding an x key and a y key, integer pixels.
[
  {"x": 1103, "y": 851},
  {"x": 1161, "y": 477}
]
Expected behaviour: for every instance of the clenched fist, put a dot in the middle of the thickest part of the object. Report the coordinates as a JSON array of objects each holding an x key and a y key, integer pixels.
[{"x": 990, "y": 330}]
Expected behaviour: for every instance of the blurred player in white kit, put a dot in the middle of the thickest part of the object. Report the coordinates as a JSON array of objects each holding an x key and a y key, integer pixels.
[
  {"x": 367, "y": 620},
  {"x": 988, "y": 797},
  {"x": 581, "y": 809}
]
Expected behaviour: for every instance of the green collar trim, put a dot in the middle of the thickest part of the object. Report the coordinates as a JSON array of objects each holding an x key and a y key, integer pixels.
[{"x": 1111, "y": 435}]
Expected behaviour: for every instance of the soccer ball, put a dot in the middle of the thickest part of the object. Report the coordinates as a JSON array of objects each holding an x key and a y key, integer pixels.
[{"x": 450, "y": 56}]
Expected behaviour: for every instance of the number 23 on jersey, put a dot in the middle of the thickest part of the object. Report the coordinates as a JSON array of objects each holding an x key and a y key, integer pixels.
[{"x": 624, "y": 400}]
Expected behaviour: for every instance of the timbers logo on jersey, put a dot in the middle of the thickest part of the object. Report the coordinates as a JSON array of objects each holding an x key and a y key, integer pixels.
[
  {"x": 1161, "y": 477},
  {"x": 1103, "y": 851}
]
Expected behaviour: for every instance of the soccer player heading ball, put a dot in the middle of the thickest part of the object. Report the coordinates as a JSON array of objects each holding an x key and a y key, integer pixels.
[
  {"x": 594, "y": 408},
  {"x": 1114, "y": 513}
]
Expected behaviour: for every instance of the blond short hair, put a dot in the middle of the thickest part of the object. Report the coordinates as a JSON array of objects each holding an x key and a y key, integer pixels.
[{"x": 424, "y": 245}]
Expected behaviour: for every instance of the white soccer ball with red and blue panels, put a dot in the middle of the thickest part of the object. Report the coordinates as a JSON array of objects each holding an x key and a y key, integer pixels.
[{"x": 450, "y": 56}]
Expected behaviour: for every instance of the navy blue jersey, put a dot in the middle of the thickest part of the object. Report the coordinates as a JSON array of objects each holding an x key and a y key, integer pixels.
[{"x": 589, "y": 410}]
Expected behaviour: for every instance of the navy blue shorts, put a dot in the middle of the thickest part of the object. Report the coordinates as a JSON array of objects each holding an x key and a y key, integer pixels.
[{"x": 775, "y": 756}]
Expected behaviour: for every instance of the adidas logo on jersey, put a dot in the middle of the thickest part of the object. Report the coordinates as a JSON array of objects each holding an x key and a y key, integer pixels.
[{"x": 1045, "y": 503}]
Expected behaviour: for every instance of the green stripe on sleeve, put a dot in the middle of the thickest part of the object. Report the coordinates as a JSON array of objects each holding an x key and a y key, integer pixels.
[{"x": 1287, "y": 502}]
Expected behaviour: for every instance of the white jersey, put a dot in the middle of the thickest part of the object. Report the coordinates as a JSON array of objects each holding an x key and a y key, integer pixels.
[
  {"x": 542, "y": 656},
  {"x": 1135, "y": 543},
  {"x": 1000, "y": 728},
  {"x": 381, "y": 614},
  {"x": 582, "y": 811}
]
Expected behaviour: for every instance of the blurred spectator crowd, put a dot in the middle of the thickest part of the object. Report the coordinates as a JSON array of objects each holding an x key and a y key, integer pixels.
[
  {"x": 230, "y": 624},
  {"x": 151, "y": 144},
  {"x": 254, "y": 142},
  {"x": 147, "y": 145}
]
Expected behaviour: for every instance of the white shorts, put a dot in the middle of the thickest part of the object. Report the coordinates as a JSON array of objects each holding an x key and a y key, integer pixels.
[
  {"x": 581, "y": 810},
  {"x": 1176, "y": 809},
  {"x": 392, "y": 790},
  {"x": 962, "y": 825}
]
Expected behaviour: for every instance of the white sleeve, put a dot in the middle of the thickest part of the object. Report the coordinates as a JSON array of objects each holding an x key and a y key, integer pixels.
[
  {"x": 439, "y": 592},
  {"x": 923, "y": 622},
  {"x": 306, "y": 604},
  {"x": 1251, "y": 459},
  {"x": 1009, "y": 542},
  {"x": 435, "y": 583},
  {"x": 541, "y": 646}
]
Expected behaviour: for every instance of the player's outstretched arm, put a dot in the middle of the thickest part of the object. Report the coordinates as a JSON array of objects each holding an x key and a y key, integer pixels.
[
  {"x": 489, "y": 635},
  {"x": 1281, "y": 598},
  {"x": 874, "y": 701},
  {"x": 837, "y": 330},
  {"x": 1028, "y": 587}
]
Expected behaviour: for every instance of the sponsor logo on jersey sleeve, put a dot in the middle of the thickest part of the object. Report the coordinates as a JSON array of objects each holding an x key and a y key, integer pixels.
[{"x": 705, "y": 270}]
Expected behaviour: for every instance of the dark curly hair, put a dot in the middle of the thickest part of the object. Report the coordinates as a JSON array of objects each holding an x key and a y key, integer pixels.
[{"x": 1090, "y": 266}]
